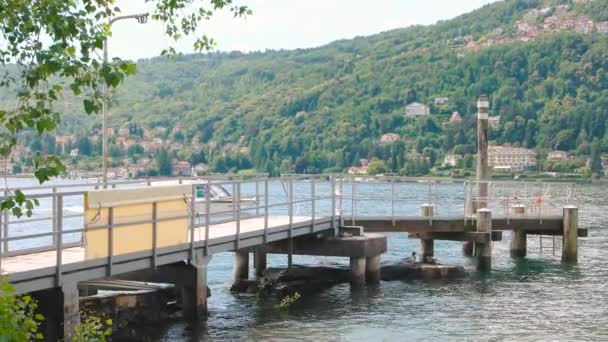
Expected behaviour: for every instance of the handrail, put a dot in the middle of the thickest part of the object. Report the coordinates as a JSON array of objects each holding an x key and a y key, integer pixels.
[{"x": 342, "y": 194}]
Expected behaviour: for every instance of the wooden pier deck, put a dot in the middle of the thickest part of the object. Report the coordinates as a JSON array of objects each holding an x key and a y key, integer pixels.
[{"x": 38, "y": 271}]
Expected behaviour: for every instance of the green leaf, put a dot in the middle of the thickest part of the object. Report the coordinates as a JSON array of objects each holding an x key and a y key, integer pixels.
[{"x": 89, "y": 106}]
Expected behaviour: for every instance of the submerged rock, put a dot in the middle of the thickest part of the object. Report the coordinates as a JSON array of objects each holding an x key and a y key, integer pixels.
[
  {"x": 302, "y": 279},
  {"x": 402, "y": 271},
  {"x": 305, "y": 279}
]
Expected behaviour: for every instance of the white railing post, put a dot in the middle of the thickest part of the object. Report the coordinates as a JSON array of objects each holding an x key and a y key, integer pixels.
[
  {"x": 265, "y": 211},
  {"x": 110, "y": 240},
  {"x": 207, "y": 218},
  {"x": 192, "y": 213},
  {"x": 393, "y": 201},
  {"x": 312, "y": 195},
  {"x": 5, "y": 226},
  {"x": 59, "y": 227},
  {"x": 257, "y": 195},
  {"x": 290, "y": 232},
  {"x": 238, "y": 215},
  {"x": 353, "y": 201},
  {"x": 54, "y": 215},
  {"x": 332, "y": 190},
  {"x": 154, "y": 233}
]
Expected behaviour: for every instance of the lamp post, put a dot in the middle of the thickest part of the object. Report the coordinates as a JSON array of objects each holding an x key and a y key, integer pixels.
[{"x": 141, "y": 18}]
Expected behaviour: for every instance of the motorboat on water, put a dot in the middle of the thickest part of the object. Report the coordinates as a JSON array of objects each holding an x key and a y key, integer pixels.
[{"x": 221, "y": 200}]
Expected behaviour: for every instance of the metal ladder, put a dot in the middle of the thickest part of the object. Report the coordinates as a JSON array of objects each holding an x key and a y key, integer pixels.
[{"x": 552, "y": 246}]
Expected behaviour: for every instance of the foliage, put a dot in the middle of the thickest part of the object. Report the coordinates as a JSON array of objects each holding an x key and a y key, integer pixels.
[
  {"x": 36, "y": 73},
  {"x": 288, "y": 301},
  {"x": 18, "y": 318},
  {"x": 376, "y": 167},
  {"x": 163, "y": 162},
  {"x": 92, "y": 328},
  {"x": 326, "y": 108}
]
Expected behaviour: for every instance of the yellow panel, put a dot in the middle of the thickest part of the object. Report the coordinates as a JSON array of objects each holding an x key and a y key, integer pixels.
[{"x": 135, "y": 237}]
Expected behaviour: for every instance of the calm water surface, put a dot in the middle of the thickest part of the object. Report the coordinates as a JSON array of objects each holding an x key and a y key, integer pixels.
[{"x": 536, "y": 299}]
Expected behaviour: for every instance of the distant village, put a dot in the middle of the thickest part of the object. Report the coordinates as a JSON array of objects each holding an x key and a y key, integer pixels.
[
  {"x": 134, "y": 151},
  {"x": 537, "y": 22},
  {"x": 502, "y": 158}
]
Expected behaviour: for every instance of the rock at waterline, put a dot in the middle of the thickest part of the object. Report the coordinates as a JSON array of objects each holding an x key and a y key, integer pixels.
[
  {"x": 404, "y": 271},
  {"x": 304, "y": 279}
]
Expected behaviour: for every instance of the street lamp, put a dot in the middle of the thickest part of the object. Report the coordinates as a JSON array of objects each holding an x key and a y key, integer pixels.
[{"x": 141, "y": 18}]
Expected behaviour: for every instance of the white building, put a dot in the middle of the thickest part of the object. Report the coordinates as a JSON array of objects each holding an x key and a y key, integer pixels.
[
  {"x": 494, "y": 121},
  {"x": 557, "y": 155},
  {"x": 440, "y": 101},
  {"x": 389, "y": 138},
  {"x": 455, "y": 118},
  {"x": 510, "y": 158},
  {"x": 451, "y": 160},
  {"x": 417, "y": 109}
]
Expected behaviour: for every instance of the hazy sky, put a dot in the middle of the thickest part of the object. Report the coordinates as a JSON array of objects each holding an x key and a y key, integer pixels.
[{"x": 287, "y": 24}]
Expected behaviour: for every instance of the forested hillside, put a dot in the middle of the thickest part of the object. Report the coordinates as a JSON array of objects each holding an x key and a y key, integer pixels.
[{"x": 323, "y": 109}]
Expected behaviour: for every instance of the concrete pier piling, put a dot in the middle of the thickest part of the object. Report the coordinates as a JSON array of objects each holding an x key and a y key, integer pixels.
[
  {"x": 427, "y": 245},
  {"x": 518, "y": 243},
  {"x": 482, "y": 171},
  {"x": 357, "y": 271},
  {"x": 194, "y": 288},
  {"x": 71, "y": 310},
  {"x": 259, "y": 260},
  {"x": 241, "y": 265},
  {"x": 484, "y": 249},
  {"x": 372, "y": 269},
  {"x": 570, "y": 235}
]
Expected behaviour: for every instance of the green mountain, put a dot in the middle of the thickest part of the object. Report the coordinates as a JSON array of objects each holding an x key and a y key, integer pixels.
[{"x": 311, "y": 110}]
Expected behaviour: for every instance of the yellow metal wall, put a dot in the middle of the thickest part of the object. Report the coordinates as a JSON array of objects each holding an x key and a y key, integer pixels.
[{"x": 135, "y": 237}]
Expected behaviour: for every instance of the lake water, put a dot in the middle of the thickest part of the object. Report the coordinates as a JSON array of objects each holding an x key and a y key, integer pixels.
[{"x": 527, "y": 300}]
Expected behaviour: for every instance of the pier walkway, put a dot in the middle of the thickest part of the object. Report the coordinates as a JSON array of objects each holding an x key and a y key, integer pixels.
[{"x": 82, "y": 232}]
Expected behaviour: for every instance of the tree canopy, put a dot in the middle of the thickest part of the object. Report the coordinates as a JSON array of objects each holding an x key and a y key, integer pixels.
[{"x": 52, "y": 48}]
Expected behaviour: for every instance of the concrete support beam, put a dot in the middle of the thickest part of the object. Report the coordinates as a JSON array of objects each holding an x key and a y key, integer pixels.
[
  {"x": 193, "y": 283},
  {"x": 427, "y": 245},
  {"x": 259, "y": 259},
  {"x": 241, "y": 264},
  {"x": 372, "y": 269},
  {"x": 570, "y": 235},
  {"x": 357, "y": 271},
  {"x": 518, "y": 243},
  {"x": 484, "y": 250},
  {"x": 71, "y": 310}
]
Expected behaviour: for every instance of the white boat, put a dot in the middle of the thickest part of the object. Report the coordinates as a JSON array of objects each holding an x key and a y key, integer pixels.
[{"x": 221, "y": 201}]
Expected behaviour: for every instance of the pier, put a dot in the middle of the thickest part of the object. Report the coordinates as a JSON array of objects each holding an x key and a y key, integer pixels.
[
  {"x": 133, "y": 229},
  {"x": 168, "y": 230}
]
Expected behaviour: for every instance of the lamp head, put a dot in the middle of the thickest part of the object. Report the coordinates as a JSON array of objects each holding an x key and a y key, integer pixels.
[{"x": 142, "y": 18}]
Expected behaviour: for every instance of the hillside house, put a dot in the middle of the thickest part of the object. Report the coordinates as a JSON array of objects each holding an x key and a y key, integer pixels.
[
  {"x": 494, "y": 121},
  {"x": 389, "y": 138},
  {"x": 415, "y": 109},
  {"x": 584, "y": 25},
  {"x": 455, "y": 118},
  {"x": 440, "y": 101},
  {"x": 181, "y": 168},
  {"x": 123, "y": 132},
  {"x": 602, "y": 27},
  {"x": 451, "y": 160},
  {"x": 357, "y": 170},
  {"x": 558, "y": 156},
  {"x": 509, "y": 158}
]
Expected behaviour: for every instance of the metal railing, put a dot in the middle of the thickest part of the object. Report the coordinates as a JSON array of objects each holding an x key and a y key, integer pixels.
[
  {"x": 521, "y": 199},
  {"x": 59, "y": 222}
]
